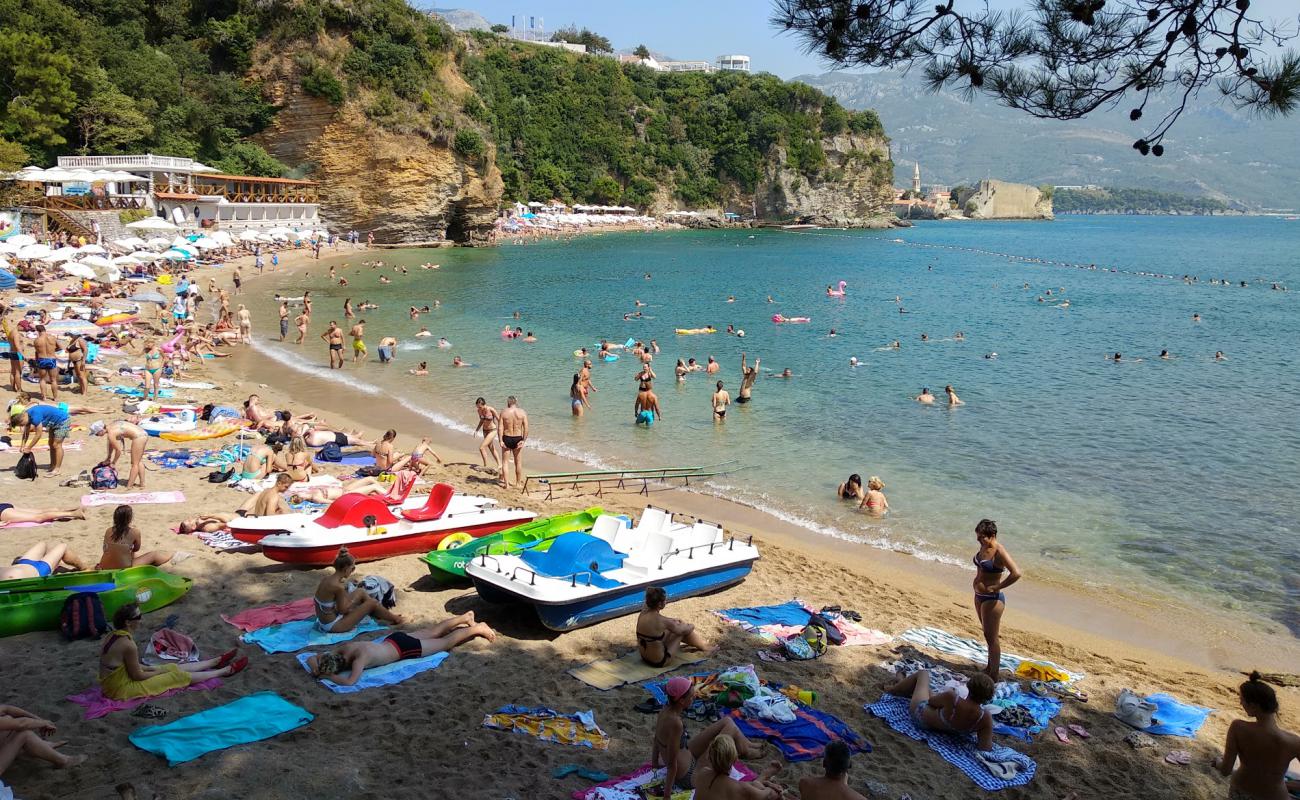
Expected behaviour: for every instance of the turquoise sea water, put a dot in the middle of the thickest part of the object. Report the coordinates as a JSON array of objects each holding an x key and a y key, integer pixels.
[{"x": 1180, "y": 476}]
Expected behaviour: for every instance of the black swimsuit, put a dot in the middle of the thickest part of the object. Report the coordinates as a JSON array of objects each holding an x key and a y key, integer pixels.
[{"x": 645, "y": 640}]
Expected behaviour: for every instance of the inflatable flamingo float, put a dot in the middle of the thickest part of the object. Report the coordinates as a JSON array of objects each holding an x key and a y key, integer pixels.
[
  {"x": 836, "y": 292},
  {"x": 174, "y": 344}
]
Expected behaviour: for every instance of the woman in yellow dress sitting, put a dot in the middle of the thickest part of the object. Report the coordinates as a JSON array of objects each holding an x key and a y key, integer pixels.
[{"x": 123, "y": 677}]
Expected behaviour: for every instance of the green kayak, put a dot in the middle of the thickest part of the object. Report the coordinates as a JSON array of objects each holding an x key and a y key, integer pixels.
[
  {"x": 33, "y": 604},
  {"x": 448, "y": 566}
]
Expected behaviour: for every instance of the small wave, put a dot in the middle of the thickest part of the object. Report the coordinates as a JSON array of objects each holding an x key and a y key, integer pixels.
[{"x": 315, "y": 370}]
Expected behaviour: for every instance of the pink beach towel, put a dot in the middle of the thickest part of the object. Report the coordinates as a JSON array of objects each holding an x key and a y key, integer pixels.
[
  {"x": 131, "y": 498},
  {"x": 97, "y": 705},
  {"x": 172, "y": 645},
  {"x": 255, "y": 618},
  {"x": 4, "y": 525}
]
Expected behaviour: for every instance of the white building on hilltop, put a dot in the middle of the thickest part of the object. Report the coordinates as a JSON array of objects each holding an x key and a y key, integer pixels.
[{"x": 733, "y": 63}]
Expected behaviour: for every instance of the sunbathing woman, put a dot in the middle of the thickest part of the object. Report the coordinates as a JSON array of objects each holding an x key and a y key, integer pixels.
[
  {"x": 675, "y": 749},
  {"x": 659, "y": 638},
  {"x": 713, "y": 779},
  {"x": 384, "y": 451},
  {"x": 355, "y": 657},
  {"x": 123, "y": 677},
  {"x": 122, "y": 544},
  {"x": 206, "y": 523},
  {"x": 10, "y": 515},
  {"x": 41, "y": 560},
  {"x": 24, "y": 732},
  {"x": 946, "y": 712},
  {"x": 1264, "y": 748},
  {"x": 328, "y": 494},
  {"x": 339, "y": 610}
]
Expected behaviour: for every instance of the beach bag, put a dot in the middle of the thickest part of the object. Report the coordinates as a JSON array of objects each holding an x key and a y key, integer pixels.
[
  {"x": 221, "y": 476},
  {"x": 330, "y": 452},
  {"x": 815, "y": 637},
  {"x": 103, "y": 476},
  {"x": 82, "y": 617},
  {"x": 797, "y": 648},
  {"x": 381, "y": 589},
  {"x": 1133, "y": 710},
  {"x": 25, "y": 469},
  {"x": 833, "y": 634}
]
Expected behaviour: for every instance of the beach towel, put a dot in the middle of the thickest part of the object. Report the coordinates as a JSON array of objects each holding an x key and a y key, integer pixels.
[
  {"x": 248, "y": 719},
  {"x": 4, "y": 525},
  {"x": 385, "y": 675},
  {"x": 291, "y": 636},
  {"x": 632, "y": 786},
  {"x": 778, "y": 622},
  {"x": 1174, "y": 718},
  {"x": 133, "y": 391},
  {"x": 170, "y": 644},
  {"x": 130, "y": 498},
  {"x": 957, "y": 749},
  {"x": 943, "y": 642},
  {"x": 263, "y": 616},
  {"x": 97, "y": 705},
  {"x": 578, "y": 729},
  {"x": 789, "y": 613},
  {"x": 611, "y": 673},
  {"x": 803, "y": 738},
  {"x": 42, "y": 447},
  {"x": 224, "y": 540},
  {"x": 354, "y": 458}
]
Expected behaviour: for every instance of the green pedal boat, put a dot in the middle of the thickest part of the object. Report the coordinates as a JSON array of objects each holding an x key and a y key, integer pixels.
[
  {"x": 33, "y": 604},
  {"x": 447, "y": 563}
]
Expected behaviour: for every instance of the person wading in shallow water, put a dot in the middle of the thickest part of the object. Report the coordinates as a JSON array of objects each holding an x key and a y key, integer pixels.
[
  {"x": 334, "y": 336},
  {"x": 748, "y": 375}
]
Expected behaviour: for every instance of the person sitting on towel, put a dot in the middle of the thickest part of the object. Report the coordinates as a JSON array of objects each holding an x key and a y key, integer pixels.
[
  {"x": 659, "y": 638},
  {"x": 123, "y": 677},
  {"x": 713, "y": 779},
  {"x": 947, "y": 712},
  {"x": 345, "y": 665},
  {"x": 677, "y": 751},
  {"x": 835, "y": 784},
  {"x": 339, "y": 610}
]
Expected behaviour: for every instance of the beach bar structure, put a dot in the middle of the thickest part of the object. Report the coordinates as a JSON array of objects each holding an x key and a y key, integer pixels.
[{"x": 83, "y": 190}]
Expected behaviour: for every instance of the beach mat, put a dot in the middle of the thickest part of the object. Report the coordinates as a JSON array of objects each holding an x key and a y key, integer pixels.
[
  {"x": 97, "y": 705},
  {"x": 385, "y": 675},
  {"x": 265, "y": 616},
  {"x": 131, "y": 498},
  {"x": 957, "y": 749},
  {"x": 943, "y": 642},
  {"x": 291, "y": 636},
  {"x": 777, "y": 622},
  {"x": 634, "y": 784},
  {"x": 804, "y": 738},
  {"x": 611, "y": 673},
  {"x": 351, "y": 458},
  {"x": 248, "y": 719}
]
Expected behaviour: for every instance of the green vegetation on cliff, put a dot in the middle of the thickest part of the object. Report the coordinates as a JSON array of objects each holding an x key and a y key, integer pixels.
[
  {"x": 587, "y": 129},
  {"x": 1115, "y": 200}
]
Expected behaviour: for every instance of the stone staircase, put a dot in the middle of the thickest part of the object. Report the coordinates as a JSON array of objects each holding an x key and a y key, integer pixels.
[{"x": 78, "y": 223}]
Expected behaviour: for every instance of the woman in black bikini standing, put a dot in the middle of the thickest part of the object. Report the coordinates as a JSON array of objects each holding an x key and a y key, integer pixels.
[
  {"x": 659, "y": 638},
  {"x": 487, "y": 422},
  {"x": 990, "y": 562}
]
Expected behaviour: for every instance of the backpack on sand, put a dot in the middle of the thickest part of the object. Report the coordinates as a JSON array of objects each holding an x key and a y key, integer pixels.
[
  {"x": 103, "y": 476},
  {"x": 82, "y": 617}
]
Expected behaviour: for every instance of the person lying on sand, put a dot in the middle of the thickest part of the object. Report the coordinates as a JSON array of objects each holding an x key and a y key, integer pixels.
[
  {"x": 207, "y": 523},
  {"x": 834, "y": 785},
  {"x": 946, "y": 712},
  {"x": 11, "y": 515},
  {"x": 345, "y": 665},
  {"x": 22, "y": 732},
  {"x": 328, "y": 494},
  {"x": 337, "y": 609},
  {"x": 659, "y": 638},
  {"x": 122, "y": 543},
  {"x": 319, "y": 437},
  {"x": 41, "y": 560},
  {"x": 123, "y": 677},
  {"x": 1264, "y": 748},
  {"x": 676, "y": 750}
]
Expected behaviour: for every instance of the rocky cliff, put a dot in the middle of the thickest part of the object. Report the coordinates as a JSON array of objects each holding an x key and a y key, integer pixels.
[
  {"x": 854, "y": 191},
  {"x": 1002, "y": 200}
]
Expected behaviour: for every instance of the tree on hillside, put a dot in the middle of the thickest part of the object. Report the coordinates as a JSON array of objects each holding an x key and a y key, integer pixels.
[
  {"x": 641, "y": 51},
  {"x": 594, "y": 42},
  {"x": 108, "y": 120},
  {"x": 499, "y": 28},
  {"x": 1063, "y": 59},
  {"x": 36, "y": 97}
]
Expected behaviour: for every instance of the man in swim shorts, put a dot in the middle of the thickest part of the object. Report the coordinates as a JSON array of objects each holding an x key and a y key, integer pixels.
[
  {"x": 387, "y": 349},
  {"x": 56, "y": 420},
  {"x": 513, "y": 429},
  {"x": 358, "y": 333},
  {"x": 46, "y": 348},
  {"x": 355, "y": 657},
  {"x": 284, "y": 319},
  {"x": 748, "y": 375},
  {"x": 646, "y": 406},
  {"x": 334, "y": 336}
]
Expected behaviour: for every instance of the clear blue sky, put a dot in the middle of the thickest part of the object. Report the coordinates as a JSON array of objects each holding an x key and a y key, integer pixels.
[{"x": 705, "y": 29}]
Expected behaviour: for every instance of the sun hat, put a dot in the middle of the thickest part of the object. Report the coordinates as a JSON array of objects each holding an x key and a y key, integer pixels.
[
  {"x": 97, "y": 427},
  {"x": 678, "y": 686}
]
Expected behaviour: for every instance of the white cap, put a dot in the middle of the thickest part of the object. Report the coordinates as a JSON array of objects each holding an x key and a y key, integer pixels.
[{"x": 97, "y": 427}]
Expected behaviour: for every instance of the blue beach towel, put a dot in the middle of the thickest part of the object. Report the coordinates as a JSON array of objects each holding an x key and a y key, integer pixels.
[
  {"x": 1042, "y": 709},
  {"x": 386, "y": 675},
  {"x": 291, "y": 636},
  {"x": 248, "y": 719},
  {"x": 791, "y": 613},
  {"x": 806, "y": 737},
  {"x": 958, "y": 750},
  {"x": 1176, "y": 718},
  {"x": 354, "y": 458}
]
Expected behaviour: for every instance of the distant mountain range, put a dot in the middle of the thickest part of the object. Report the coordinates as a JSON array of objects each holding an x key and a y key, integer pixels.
[
  {"x": 1215, "y": 151},
  {"x": 459, "y": 18}
]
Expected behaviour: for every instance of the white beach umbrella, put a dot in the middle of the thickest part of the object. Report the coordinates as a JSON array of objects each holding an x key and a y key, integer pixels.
[
  {"x": 96, "y": 262},
  {"x": 204, "y": 243},
  {"x": 180, "y": 241},
  {"x": 248, "y": 236},
  {"x": 222, "y": 238},
  {"x": 78, "y": 270},
  {"x": 279, "y": 230},
  {"x": 10, "y": 248},
  {"x": 177, "y": 255},
  {"x": 92, "y": 249},
  {"x": 159, "y": 243},
  {"x": 125, "y": 261},
  {"x": 62, "y": 254},
  {"x": 151, "y": 224},
  {"x": 21, "y": 239},
  {"x": 108, "y": 274},
  {"x": 33, "y": 251},
  {"x": 130, "y": 243}
]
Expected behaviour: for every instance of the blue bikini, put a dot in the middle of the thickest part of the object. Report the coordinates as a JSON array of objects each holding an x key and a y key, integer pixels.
[{"x": 990, "y": 567}]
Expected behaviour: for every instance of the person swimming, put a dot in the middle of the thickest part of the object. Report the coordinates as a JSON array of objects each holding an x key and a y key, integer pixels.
[
  {"x": 925, "y": 398},
  {"x": 423, "y": 369}
]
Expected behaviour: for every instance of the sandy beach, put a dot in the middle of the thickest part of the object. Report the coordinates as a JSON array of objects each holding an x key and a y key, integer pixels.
[{"x": 425, "y": 737}]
